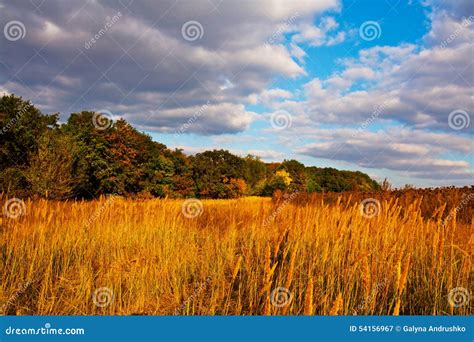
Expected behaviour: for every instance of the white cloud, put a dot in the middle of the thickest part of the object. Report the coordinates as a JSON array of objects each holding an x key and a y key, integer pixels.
[
  {"x": 358, "y": 73},
  {"x": 413, "y": 152},
  {"x": 268, "y": 96},
  {"x": 204, "y": 119},
  {"x": 321, "y": 34},
  {"x": 420, "y": 87},
  {"x": 297, "y": 52},
  {"x": 143, "y": 70},
  {"x": 142, "y": 67}
]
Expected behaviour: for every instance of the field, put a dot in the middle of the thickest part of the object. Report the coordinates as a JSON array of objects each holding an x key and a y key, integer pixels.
[{"x": 290, "y": 255}]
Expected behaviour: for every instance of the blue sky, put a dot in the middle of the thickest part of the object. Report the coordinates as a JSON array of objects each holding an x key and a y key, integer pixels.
[{"x": 384, "y": 87}]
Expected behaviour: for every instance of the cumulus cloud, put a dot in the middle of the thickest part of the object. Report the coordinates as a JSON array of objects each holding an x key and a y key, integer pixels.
[
  {"x": 142, "y": 67},
  {"x": 207, "y": 119},
  {"x": 325, "y": 33},
  {"x": 264, "y": 155},
  {"x": 418, "y": 86},
  {"x": 413, "y": 152},
  {"x": 268, "y": 96},
  {"x": 76, "y": 56},
  {"x": 297, "y": 52}
]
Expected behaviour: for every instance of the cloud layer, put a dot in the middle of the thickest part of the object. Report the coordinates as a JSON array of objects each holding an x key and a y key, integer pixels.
[
  {"x": 209, "y": 67},
  {"x": 144, "y": 66}
]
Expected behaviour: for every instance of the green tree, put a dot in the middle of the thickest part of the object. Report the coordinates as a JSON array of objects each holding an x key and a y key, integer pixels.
[
  {"x": 21, "y": 127},
  {"x": 78, "y": 159},
  {"x": 90, "y": 162},
  {"x": 313, "y": 186},
  {"x": 281, "y": 180},
  {"x": 211, "y": 168},
  {"x": 182, "y": 179},
  {"x": 255, "y": 172},
  {"x": 50, "y": 167},
  {"x": 297, "y": 173}
]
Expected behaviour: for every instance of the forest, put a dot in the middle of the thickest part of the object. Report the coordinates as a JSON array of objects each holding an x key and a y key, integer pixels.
[{"x": 41, "y": 157}]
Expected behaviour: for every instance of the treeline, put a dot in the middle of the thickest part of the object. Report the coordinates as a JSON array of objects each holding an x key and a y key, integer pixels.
[{"x": 40, "y": 157}]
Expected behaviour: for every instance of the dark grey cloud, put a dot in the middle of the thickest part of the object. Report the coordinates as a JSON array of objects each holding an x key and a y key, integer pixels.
[
  {"x": 141, "y": 68},
  {"x": 415, "y": 153},
  {"x": 76, "y": 56}
]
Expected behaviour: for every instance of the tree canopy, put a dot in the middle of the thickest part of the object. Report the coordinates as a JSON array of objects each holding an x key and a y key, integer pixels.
[{"x": 40, "y": 157}]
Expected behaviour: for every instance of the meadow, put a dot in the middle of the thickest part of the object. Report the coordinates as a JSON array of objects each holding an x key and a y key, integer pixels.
[{"x": 290, "y": 255}]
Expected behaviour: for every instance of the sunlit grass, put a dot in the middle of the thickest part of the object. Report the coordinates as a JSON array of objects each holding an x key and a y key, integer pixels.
[{"x": 226, "y": 261}]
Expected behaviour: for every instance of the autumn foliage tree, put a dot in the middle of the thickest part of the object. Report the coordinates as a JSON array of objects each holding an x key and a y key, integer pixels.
[
  {"x": 50, "y": 167},
  {"x": 21, "y": 127},
  {"x": 213, "y": 172},
  {"x": 40, "y": 157}
]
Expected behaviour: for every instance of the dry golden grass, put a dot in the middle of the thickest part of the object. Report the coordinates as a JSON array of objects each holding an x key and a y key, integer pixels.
[{"x": 227, "y": 261}]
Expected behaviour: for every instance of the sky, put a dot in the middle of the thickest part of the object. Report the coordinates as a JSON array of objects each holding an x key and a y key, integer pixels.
[{"x": 384, "y": 87}]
